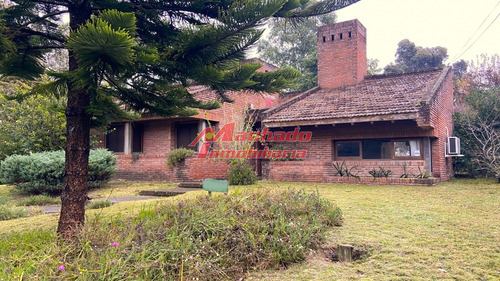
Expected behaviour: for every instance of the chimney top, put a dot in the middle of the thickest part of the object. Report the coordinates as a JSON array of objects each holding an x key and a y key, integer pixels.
[{"x": 341, "y": 54}]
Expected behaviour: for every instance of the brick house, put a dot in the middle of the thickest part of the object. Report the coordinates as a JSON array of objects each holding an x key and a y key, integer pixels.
[
  {"x": 366, "y": 122},
  {"x": 397, "y": 122},
  {"x": 142, "y": 146}
]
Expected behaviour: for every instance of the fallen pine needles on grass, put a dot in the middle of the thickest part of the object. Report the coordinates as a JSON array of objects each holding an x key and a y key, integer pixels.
[{"x": 209, "y": 238}]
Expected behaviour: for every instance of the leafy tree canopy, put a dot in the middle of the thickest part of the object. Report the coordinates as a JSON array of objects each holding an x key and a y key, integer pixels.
[
  {"x": 36, "y": 124},
  {"x": 294, "y": 44},
  {"x": 410, "y": 57}
]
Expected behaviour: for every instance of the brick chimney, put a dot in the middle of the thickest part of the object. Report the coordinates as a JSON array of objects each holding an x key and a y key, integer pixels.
[{"x": 341, "y": 54}]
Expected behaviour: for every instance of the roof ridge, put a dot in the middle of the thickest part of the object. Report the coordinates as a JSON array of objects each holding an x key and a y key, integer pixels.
[
  {"x": 299, "y": 97},
  {"x": 428, "y": 96},
  {"x": 388, "y": 75}
]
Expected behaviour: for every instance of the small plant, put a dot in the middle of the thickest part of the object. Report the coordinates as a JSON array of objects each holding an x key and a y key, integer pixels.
[
  {"x": 342, "y": 170},
  {"x": 422, "y": 174},
  {"x": 39, "y": 200},
  {"x": 406, "y": 173},
  {"x": 380, "y": 173},
  {"x": 241, "y": 174},
  {"x": 135, "y": 156},
  {"x": 178, "y": 155},
  {"x": 98, "y": 204},
  {"x": 10, "y": 213}
]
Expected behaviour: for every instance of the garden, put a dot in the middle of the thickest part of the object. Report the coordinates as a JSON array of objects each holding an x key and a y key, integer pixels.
[{"x": 449, "y": 231}]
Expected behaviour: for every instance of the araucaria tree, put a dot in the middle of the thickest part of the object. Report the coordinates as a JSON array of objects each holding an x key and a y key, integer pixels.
[{"x": 136, "y": 55}]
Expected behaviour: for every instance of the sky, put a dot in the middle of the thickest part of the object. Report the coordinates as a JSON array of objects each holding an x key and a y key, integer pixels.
[{"x": 428, "y": 23}]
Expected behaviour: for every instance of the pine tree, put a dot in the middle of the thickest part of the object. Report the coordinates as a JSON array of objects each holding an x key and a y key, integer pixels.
[{"x": 143, "y": 53}]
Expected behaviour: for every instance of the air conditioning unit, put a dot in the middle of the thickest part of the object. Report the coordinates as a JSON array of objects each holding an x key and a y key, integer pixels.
[{"x": 453, "y": 146}]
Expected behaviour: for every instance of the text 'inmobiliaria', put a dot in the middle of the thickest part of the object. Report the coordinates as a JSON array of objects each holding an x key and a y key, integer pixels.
[{"x": 227, "y": 133}]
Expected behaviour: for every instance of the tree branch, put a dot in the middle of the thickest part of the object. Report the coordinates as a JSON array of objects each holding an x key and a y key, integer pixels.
[
  {"x": 29, "y": 31},
  {"x": 64, "y": 3},
  {"x": 44, "y": 17},
  {"x": 43, "y": 47}
]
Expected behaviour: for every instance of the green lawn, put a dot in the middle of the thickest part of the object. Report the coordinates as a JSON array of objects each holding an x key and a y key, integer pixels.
[{"x": 447, "y": 232}]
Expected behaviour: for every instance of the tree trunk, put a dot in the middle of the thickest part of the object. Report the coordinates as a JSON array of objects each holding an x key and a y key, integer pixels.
[{"x": 74, "y": 191}]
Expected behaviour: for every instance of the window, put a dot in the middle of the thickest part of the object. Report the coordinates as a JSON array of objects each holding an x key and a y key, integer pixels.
[
  {"x": 186, "y": 133},
  {"x": 115, "y": 139},
  {"x": 125, "y": 138},
  {"x": 407, "y": 148},
  {"x": 348, "y": 149},
  {"x": 137, "y": 133},
  {"x": 377, "y": 149}
]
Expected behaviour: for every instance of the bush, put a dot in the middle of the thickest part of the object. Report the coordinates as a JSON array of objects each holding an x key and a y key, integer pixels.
[
  {"x": 380, "y": 173},
  {"x": 42, "y": 173},
  {"x": 216, "y": 238},
  {"x": 10, "y": 213},
  {"x": 39, "y": 200},
  {"x": 98, "y": 204},
  {"x": 178, "y": 155},
  {"x": 241, "y": 174}
]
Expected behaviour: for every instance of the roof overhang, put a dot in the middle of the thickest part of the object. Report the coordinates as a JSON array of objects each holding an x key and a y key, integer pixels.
[{"x": 344, "y": 120}]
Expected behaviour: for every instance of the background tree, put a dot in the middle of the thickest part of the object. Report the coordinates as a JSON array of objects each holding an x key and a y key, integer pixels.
[
  {"x": 484, "y": 73},
  {"x": 413, "y": 58},
  {"x": 289, "y": 44},
  {"x": 143, "y": 53},
  {"x": 34, "y": 125},
  {"x": 477, "y": 117},
  {"x": 372, "y": 67},
  {"x": 478, "y": 126}
]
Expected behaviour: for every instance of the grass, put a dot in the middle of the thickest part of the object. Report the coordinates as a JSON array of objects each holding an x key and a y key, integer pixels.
[
  {"x": 209, "y": 238},
  {"x": 39, "y": 200},
  {"x": 98, "y": 204},
  {"x": 446, "y": 232},
  {"x": 10, "y": 213},
  {"x": 122, "y": 188}
]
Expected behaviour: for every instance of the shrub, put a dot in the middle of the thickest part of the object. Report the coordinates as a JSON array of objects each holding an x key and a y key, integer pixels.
[
  {"x": 216, "y": 238},
  {"x": 41, "y": 173},
  {"x": 102, "y": 167},
  {"x": 241, "y": 174},
  {"x": 342, "y": 170},
  {"x": 10, "y": 213},
  {"x": 39, "y": 200},
  {"x": 380, "y": 173},
  {"x": 178, "y": 155},
  {"x": 98, "y": 204}
]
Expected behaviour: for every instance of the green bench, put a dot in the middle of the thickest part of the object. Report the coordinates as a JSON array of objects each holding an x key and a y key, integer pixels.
[{"x": 212, "y": 185}]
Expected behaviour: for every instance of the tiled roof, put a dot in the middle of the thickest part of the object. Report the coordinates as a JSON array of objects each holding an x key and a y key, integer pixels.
[{"x": 375, "y": 96}]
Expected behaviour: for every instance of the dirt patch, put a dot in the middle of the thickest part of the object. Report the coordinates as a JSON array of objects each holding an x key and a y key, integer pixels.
[{"x": 332, "y": 252}]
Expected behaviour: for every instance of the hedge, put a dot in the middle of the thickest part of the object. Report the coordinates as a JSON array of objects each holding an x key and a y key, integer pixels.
[{"x": 42, "y": 173}]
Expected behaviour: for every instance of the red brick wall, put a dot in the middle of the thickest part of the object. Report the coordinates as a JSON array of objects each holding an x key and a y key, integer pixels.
[
  {"x": 232, "y": 112},
  {"x": 158, "y": 137},
  {"x": 323, "y": 171},
  {"x": 320, "y": 147},
  {"x": 153, "y": 167},
  {"x": 441, "y": 118},
  {"x": 341, "y": 62}
]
